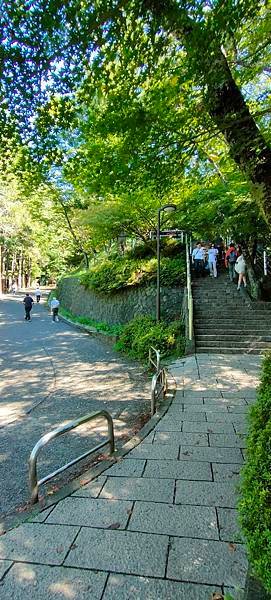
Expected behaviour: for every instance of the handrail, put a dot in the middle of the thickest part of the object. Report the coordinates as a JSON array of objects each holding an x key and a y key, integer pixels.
[
  {"x": 159, "y": 379},
  {"x": 34, "y": 483},
  {"x": 151, "y": 362},
  {"x": 189, "y": 293}
]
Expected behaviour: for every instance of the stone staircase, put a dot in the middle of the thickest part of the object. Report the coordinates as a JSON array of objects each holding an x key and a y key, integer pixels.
[{"x": 226, "y": 321}]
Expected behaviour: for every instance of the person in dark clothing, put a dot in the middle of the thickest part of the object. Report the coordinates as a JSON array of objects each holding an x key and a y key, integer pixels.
[{"x": 28, "y": 302}]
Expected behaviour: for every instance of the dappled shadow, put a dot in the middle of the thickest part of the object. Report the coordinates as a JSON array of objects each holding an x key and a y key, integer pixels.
[{"x": 51, "y": 374}]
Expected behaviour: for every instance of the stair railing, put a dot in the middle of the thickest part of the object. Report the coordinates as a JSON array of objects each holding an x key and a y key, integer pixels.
[{"x": 189, "y": 291}]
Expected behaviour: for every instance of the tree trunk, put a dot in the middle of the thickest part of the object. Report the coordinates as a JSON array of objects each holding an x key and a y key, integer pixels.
[
  {"x": 231, "y": 114},
  {"x": 79, "y": 245},
  {"x": 223, "y": 99},
  {"x": 20, "y": 274}
]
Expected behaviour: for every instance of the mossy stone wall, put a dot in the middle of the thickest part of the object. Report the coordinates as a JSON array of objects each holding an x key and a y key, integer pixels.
[{"x": 119, "y": 307}]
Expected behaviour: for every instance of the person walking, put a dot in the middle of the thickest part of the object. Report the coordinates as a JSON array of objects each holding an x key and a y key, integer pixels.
[
  {"x": 230, "y": 260},
  {"x": 37, "y": 293},
  {"x": 240, "y": 268},
  {"x": 198, "y": 259},
  {"x": 13, "y": 288},
  {"x": 212, "y": 260},
  {"x": 54, "y": 307},
  {"x": 28, "y": 303}
]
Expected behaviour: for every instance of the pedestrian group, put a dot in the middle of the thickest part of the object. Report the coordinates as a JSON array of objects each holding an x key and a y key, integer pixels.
[
  {"x": 28, "y": 303},
  {"x": 207, "y": 259}
]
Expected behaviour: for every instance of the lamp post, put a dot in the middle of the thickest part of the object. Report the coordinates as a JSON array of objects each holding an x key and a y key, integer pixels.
[{"x": 168, "y": 208}]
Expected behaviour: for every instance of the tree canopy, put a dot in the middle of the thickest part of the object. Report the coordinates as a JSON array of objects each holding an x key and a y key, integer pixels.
[{"x": 121, "y": 106}]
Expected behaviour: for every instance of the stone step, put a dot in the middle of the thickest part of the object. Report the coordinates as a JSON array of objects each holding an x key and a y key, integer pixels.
[
  {"x": 223, "y": 350},
  {"x": 201, "y": 330},
  {"x": 227, "y": 337},
  {"x": 233, "y": 344},
  {"x": 224, "y": 315}
]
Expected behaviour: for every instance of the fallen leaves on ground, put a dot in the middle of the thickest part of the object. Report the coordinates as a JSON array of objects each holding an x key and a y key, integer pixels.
[{"x": 232, "y": 547}]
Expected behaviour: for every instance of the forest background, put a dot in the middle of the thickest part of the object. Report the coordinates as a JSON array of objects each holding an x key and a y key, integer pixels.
[{"x": 109, "y": 110}]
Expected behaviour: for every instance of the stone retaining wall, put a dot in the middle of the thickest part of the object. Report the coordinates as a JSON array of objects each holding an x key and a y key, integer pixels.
[{"x": 119, "y": 307}]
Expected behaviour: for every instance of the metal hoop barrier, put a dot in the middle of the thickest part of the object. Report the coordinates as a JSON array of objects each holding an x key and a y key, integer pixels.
[
  {"x": 158, "y": 387},
  {"x": 34, "y": 483}
]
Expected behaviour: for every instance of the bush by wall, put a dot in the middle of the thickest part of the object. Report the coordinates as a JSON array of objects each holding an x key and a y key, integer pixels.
[
  {"x": 119, "y": 272},
  {"x": 255, "y": 502},
  {"x": 142, "y": 332}
]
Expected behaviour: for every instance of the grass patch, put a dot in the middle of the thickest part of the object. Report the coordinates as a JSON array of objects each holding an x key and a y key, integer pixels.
[{"x": 98, "y": 325}]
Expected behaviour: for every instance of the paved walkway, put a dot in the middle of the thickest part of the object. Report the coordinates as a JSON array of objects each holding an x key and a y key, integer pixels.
[
  {"x": 52, "y": 373},
  {"x": 160, "y": 524}
]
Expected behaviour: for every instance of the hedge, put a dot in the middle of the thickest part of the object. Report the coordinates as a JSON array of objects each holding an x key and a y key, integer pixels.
[{"x": 255, "y": 488}]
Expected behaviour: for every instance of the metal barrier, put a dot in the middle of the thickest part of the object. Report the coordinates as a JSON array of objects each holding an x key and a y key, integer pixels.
[
  {"x": 34, "y": 483},
  {"x": 156, "y": 364},
  {"x": 159, "y": 380}
]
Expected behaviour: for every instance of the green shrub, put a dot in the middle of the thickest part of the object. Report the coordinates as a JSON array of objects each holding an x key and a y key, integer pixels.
[
  {"x": 255, "y": 502},
  {"x": 115, "y": 273},
  {"x": 142, "y": 332}
]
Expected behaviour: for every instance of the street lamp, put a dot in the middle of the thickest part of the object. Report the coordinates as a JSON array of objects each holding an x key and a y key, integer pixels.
[{"x": 168, "y": 208}]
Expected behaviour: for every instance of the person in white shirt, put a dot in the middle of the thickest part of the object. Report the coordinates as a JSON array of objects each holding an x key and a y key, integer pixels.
[
  {"x": 212, "y": 260},
  {"x": 54, "y": 307},
  {"x": 37, "y": 293},
  {"x": 240, "y": 268},
  {"x": 198, "y": 259}
]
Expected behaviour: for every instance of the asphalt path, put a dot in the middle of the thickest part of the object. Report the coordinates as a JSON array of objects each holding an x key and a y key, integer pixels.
[{"x": 52, "y": 373}]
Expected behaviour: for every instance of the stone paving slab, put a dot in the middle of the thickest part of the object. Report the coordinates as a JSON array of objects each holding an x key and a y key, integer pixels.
[
  {"x": 238, "y": 409},
  {"x": 169, "y": 424},
  {"x": 217, "y": 455},
  {"x": 196, "y": 401},
  {"x": 120, "y": 551},
  {"x": 127, "y": 488},
  {"x": 148, "y": 439},
  {"x": 193, "y": 439},
  {"x": 226, "y": 416},
  {"x": 204, "y": 408},
  {"x": 228, "y": 525},
  {"x": 127, "y": 468},
  {"x": 92, "y": 489},
  {"x": 42, "y": 516},
  {"x": 240, "y": 427},
  {"x": 207, "y": 561},
  {"x": 156, "y": 452},
  {"x": 4, "y": 566},
  {"x": 204, "y": 392},
  {"x": 24, "y": 582},
  {"x": 175, "y": 469},
  {"x": 208, "y": 427},
  {"x": 38, "y": 543},
  {"x": 217, "y": 402},
  {"x": 128, "y": 587},
  {"x": 226, "y": 472},
  {"x": 207, "y": 493},
  {"x": 169, "y": 519},
  {"x": 91, "y": 512},
  {"x": 227, "y": 440},
  {"x": 246, "y": 393}
]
